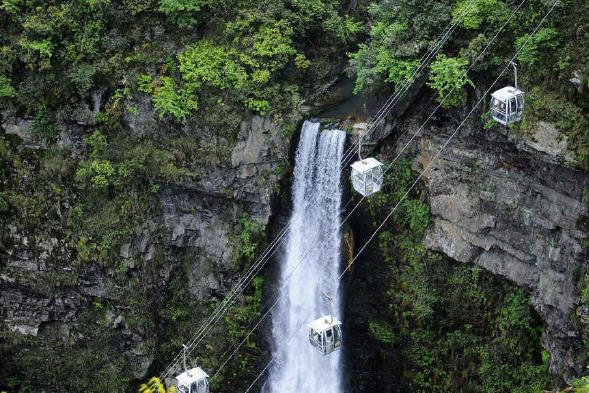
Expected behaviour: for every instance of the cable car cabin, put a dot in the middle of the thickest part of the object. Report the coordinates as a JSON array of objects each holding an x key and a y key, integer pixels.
[
  {"x": 507, "y": 105},
  {"x": 193, "y": 381},
  {"x": 325, "y": 334},
  {"x": 367, "y": 176}
]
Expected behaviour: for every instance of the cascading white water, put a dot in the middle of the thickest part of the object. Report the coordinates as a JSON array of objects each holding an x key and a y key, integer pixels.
[{"x": 310, "y": 268}]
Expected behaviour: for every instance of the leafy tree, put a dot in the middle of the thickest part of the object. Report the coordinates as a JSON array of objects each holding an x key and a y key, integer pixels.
[
  {"x": 215, "y": 65},
  {"x": 100, "y": 174},
  {"x": 38, "y": 54},
  {"x": 6, "y": 90},
  {"x": 43, "y": 126},
  {"x": 174, "y": 6},
  {"x": 381, "y": 331},
  {"x": 471, "y": 14},
  {"x": 543, "y": 43},
  {"x": 249, "y": 239},
  {"x": 448, "y": 77},
  {"x": 170, "y": 100},
  {"x": 383, "y": 65},
  {"x": 11, "y": 6},
  {"x": 400, "y": 31},
  {"x": 580, "y": 385}
]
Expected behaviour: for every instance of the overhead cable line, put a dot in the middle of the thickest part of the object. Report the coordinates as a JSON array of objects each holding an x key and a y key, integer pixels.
[
  {"x": 406, "y": 194},
  {"x": 278, "y": 240}
]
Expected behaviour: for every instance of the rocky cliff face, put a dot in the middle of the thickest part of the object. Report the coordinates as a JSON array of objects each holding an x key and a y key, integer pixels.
[
  {"x": 195, "y": 226},
  {"x": 509, "y": 204}
]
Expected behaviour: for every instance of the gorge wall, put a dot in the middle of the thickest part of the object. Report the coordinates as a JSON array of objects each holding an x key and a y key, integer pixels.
[
  {"x": 53, "y": 304},
  {"x": 507, "y": 201},
  {"x": 145, "y": 155}
]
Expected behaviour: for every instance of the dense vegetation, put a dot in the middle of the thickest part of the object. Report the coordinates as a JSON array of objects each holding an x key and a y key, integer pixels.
[
  {"x": 83, "y": 73},
  {"x": 448, "y": 326},
  {"x": 401, "y": 31},
  {"x": 89, "y": 68}
]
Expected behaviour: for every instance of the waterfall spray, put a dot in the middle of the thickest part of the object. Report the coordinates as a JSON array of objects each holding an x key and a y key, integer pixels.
[{"x": 315, "y": 235}]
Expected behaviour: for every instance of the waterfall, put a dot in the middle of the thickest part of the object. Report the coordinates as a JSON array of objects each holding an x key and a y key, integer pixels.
[{"x": 310, "y": 268}]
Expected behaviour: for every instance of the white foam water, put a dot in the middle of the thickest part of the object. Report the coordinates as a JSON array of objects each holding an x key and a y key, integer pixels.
[{"x": 310, "y": 268}]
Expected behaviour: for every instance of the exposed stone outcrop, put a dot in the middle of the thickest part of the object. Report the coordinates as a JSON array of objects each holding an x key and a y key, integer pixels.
[
  {"x": 519, "y": 215},
  {"x": 198, "y": 219}
]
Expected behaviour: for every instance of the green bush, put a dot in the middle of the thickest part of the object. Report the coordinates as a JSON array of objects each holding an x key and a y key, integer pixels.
[
  {"x": 471, "y": 14},
  {"x": 207, "y": 63},
  {"x": 250, "y": 236},
  {"x": 544, "y": 42},
  {"x": 448, "y": 78},
  {"x": 581, "y": 385},
  {"x": 11, "y": 6},
  {"x": 174, "y": 6},
  {"x": 395, "y": 43},
  {"x": 381, "y": 331},
  {"x": 6, "y": 90},
  {"x": 43, "y": 126},
  {"x": 170, "y": 100},
  {"x": 37, "y": 54}
]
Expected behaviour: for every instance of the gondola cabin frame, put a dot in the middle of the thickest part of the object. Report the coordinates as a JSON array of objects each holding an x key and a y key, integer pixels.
[
  {"x": 507, "y": 105},
  {"x": 367, "y": 176},
  {"x": 325, "y": 334},
  {"x": 193, "y": 381}
]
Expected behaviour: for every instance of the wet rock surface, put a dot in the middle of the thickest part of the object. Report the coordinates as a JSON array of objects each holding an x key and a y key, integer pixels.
[
  {"x": 518, "y": 215},
  {"x": 197, "y": 226}
]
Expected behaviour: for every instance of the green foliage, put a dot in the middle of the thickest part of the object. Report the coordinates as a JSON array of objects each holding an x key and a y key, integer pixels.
[
  {"x": 83, "y": 78},
  {"x": 169, "y": 100},
  {"x": 453, "y": 327},
  {"x": 538, "y": 46},
  {"x": 514, "y": 316},
  {"x": 238, "y": 321},
  {"x": 68, "y": 361},
  {"x": 400, "y": 31},
  {"x": 11, "y": 6},
  {"x": 471, "y": 14},
  {"x": 448, "y": 78},
  {"x": 246, "y": 62},
  {"x": 182, "y": 311},
  {"x": 37, "y": 53},
  {"x": 145, "y": 83},
  {"x": 212, "y": 64},
  {"x": 97, "y": 173},
  {"x": 244, "y": 70},
  {"x": 583, "y": 289},
  {"x": 382, "y": 64},
  {"x": 381, "y": 332},
  {"x": 174, "y": 6},
  {"x": 43, "y": 126},
  {"x": 100, "y": 174},
  {"x": 250, "y": 236},
  {"x": 117, "y": 181},
  {"x": 6, "y": 90},
  {"x": 581, "y": 385},
  {"x": 155, "y": 385},
  {"x": 97, "y": 144},
  {"x": 61, "y": 61}
]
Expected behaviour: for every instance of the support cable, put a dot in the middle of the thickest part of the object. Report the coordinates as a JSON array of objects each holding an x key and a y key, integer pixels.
[
  {"x": 406, "y": 194},
  {"x": 278, "y": 240}
]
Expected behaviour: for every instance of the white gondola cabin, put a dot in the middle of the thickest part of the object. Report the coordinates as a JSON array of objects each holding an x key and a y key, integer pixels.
[
  {"x": 367, "y": 176},
  {"x": 193, "y": 381},
  {"x": 507, "y": 105},
  {"x": 325, "y": 334}
]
